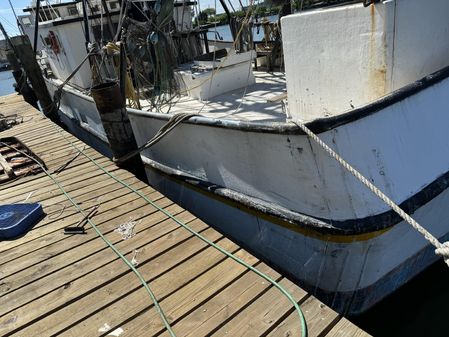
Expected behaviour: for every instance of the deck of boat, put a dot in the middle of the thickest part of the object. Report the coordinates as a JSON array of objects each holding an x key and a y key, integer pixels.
[
  {"x": 53, "y": 284},
  {"x": 259, "y": 102}
]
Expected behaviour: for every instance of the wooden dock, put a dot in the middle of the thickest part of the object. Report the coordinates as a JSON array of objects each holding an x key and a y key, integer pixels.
[{"x": 53, "y": 284}]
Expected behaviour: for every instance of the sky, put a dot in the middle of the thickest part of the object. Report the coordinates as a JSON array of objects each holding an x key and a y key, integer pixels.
[
  {"x": 9, "y": 22},
  {"x": 7, "y": 17},
  {"x": 211, "y": 4}
]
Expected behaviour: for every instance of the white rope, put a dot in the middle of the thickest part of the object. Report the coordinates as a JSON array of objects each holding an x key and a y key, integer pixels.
[
  {"x": 126, "y": 230},
  {"x": 442, "y": 249},
  {"x": 134, "y": 261}
]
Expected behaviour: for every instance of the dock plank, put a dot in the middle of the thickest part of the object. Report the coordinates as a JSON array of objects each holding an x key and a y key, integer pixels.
[
  {"x": 53, "y": 284},
  {"x": 221, "y": 306},
  {"x": 319, "y": 317},
  {"x": 345, "y": 328}
]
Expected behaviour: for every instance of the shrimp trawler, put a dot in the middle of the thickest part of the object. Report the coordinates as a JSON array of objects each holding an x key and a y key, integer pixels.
[{"x": 370, "y": 78}]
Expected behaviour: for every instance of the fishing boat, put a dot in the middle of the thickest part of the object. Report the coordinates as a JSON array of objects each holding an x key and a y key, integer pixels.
[
  {"x": 62, "y": 43},
  {"x": 370, "y": 78}
]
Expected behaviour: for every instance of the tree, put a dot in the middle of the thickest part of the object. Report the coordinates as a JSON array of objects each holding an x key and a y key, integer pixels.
[
  {"x": 209, "y": 12},
  {"x": 205, "y": 15},
  {"x": 261, "y": 10}
]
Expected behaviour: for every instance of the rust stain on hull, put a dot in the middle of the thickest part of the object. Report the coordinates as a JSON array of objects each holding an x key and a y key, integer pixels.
[{"x": 377, "y": 67}]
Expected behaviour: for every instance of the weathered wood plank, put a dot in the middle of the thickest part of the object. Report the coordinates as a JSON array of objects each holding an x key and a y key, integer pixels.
[
  {"x": 345, "y": 328},
  {"x": 151, "y": 234},
  {"x": 262, "y": 314},
  {"x": 6, "y": 167},
  {"x": 46, "y": 228},
  {"x": 319, "y": 317},
  {"x": 42, "y": 181},
  {"x": 115, "y": 279},
  {"x": 51, "y": 250},
  {"x": 221, "y": 306}
]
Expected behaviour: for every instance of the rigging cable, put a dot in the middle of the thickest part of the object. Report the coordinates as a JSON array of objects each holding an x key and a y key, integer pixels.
[
  {"x": 123, "y": 10},
  {"x": 13, "y": 10}
]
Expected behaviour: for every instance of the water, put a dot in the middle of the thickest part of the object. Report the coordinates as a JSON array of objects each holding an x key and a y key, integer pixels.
[
  {"x": 417, "y": 309},
  {"x": 224, "y": 32},
  {"x": 6, "y": 82}
]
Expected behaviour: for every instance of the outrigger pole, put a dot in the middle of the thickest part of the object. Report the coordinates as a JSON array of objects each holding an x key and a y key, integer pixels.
[{"x": 228, "y": 14}]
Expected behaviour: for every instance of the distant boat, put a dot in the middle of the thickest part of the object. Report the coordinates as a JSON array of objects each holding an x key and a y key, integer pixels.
[
  {"x": 5, "y": 66},
  {"x": 371, "y": 81}
]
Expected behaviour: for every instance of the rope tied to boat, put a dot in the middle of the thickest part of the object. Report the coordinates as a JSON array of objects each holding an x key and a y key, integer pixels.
[
  {"x": 442, "y": 249},
  {"x": 172, "y": 123},
  {"x": 58, "y": 93}
]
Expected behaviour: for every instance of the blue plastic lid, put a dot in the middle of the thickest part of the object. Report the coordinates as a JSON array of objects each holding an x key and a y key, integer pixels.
[{"x": 17, "y": 219}]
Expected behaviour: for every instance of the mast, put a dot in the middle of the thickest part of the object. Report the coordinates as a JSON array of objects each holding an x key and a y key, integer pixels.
[
  {"x": 86, "y": 25},
  {"x": 228, "y": 14},
  {"x": 108, "y": 18},
  {"x": 36, "y": 25},
  {"x": 5, "y": 34}
]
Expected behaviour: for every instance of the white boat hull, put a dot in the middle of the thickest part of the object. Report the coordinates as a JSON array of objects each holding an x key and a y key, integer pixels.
[
  {"x": 401, "y": 148},
  {"x": 79, "y": 113},
  {"x": 349, "y": 273},
  {"x": 267, "y": 187}
]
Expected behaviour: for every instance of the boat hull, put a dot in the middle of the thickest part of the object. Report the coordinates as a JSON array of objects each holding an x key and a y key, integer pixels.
[
  {"x": 282, "y": 197},
  {"x": 348, "y": 273},
  {"x": 79, "y": 114},
  {"x": 269, "y": 188},
  {"x": 401, "y": 148}
]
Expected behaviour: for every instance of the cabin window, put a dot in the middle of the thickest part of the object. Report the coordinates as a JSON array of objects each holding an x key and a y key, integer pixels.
[
  {"x": 95, "y": 9},
  {"x": 73, "y": 11},
  {"x": 46, "y": 41},
  {"x": 113, "y": 5},
  {"x": 26, "y": 21}
]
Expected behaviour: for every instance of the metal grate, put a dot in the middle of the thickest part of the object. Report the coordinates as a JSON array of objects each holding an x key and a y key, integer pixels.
[{"x": 14, "y": 164}]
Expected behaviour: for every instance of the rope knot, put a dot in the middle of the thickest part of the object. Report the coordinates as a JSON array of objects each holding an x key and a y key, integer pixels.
[{"x": 443, "y": 251}]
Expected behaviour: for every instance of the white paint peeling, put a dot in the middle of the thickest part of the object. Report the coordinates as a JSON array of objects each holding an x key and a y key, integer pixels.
[
  {"x": 117, "y": 332},
  {"x": 105, "y": 328}
]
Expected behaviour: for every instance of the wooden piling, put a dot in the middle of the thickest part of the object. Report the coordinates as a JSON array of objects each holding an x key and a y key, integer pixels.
[
  {"x": 111, "y": 107},
  {"x": 22, "y": 86},
  {"x": 25, "y": 53}
]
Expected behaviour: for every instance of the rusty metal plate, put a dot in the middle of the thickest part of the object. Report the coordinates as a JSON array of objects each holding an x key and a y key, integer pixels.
[{"x": 13, "y": 163}]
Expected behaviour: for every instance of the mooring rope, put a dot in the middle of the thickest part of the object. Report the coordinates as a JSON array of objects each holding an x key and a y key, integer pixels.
[
  {"x": 442, "y": 249},
  {"x": 172, "y": 123},
  {"x": 58, "y": 93}
]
